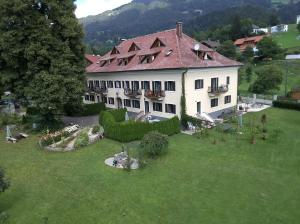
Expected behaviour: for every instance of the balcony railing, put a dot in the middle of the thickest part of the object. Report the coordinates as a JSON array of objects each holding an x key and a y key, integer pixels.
[
  {"x": 133, "y": 93},
  {"x": 155, "y": 94},
  {"x": 217, "y": 90},
  {"x": 97, "y": 90}
]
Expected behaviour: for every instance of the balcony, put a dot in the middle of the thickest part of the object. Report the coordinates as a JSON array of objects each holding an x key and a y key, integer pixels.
[
  {"x": 214, "y": 91},
  {"x": 155, "y": 94},
  {"x": 133, "y": 93},
  {"x": 97, "y": 90}
]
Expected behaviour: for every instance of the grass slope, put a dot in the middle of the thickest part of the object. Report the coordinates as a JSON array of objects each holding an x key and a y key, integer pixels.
[
  {"x": 288, "y": 39},
  {"x": 196, "y": 182},
  {"x": 292, "y": 68}
]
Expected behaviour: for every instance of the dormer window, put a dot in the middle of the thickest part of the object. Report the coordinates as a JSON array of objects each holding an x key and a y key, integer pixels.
[
  {"x": 158, "y": 43},
  {"x": 203, "y": 55},
  {"x": 147, "y": 59},
  {"x": 124, "y": 61},
  {"x": 134, "y": 47},
  {"x": 104, "y": 63},
  {"x": 115, "y": 51}
]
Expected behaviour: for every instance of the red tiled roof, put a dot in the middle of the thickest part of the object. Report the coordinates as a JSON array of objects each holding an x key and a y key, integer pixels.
[
  {"x": 182, "y": 55},
  {"x": 255, "y": 40},
  {"x": 92, "y": 58}
]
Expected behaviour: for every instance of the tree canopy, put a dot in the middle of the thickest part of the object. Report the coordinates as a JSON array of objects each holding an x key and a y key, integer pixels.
[
  {"x": 269, "y": 48},
  {"x": 42, "y": 55},
  {"x": 269, "y": 78},
  {"x": 228, "y": 49}
]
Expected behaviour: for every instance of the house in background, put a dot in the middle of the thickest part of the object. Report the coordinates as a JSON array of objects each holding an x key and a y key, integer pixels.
[
  {"x": 147, "y": 74},
  {"x": 280, "y": 28},
  {"x": 243, "y": 43},
  {"x": 257, "y": 30},
  {"x": 211, "y": 44}
]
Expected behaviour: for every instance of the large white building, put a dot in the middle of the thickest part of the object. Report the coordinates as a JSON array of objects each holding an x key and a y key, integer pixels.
[{"x": 147, "y": 74}]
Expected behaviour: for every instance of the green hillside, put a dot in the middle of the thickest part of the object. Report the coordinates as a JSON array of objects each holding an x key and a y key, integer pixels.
[{"x": 289, "y": 39}]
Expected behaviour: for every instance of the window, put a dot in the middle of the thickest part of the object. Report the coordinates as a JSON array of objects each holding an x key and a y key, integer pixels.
[
  {"x": 104, "y": 99},
  {"x": 136, "y": 104},
  {"x": 125, "y": 84},
  {"x": 97, "y": 84},
  {"x": 133, "y": 47},
  {"x": 170, "y": 108},
  {"x": 111, "y": 100},
  {"x": 170, "y": 86},
  {"x": 92, "y": 98},
  {"x": 87, "y": 98},
  {"x": 145, "y": 85},
  {"x": 214, "y": 102},
  {"x": 227, "y": 80},
  {"x": 110, "y": 84},
  {"x": 127, "y": 103},
  {"x": 115, "y": 51},
  {"x": 157, "y": 107},
  {"x": 91, "y": 84},
  {"x": 156, "y": 86},
  {"x": 199, "y": 84},
  {"x": 227, "y": 99},
  {"x": 135, "y": 85},
  {"x": 103, "y": 84},
  {"x": 106, "y": 62},
  {"x": 198, "y": 107},
  {"x": 124, "y": 61},
  {"x": 118, "y": 84}
]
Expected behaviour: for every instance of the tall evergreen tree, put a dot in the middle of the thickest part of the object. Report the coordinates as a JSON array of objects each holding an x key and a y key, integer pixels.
[{"x": 41, "y": 48}]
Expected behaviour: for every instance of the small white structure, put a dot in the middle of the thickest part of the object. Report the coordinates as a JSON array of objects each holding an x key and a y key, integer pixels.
[
  {"x": 298, "y": 19},
  {"x": 280, "y": 28},
  {"x": 257, "y": 30},
  {"x": 292, "y": 57}
]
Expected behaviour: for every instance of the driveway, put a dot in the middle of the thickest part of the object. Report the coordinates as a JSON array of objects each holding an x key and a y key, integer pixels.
[{"x": 82, "y": 121}]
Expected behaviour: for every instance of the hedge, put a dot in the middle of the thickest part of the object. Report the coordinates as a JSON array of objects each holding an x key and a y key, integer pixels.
[
  {"x": 286, "y": 104},
  {"x": 134, "y": 130},
  {"x": 89, "y": 110}
]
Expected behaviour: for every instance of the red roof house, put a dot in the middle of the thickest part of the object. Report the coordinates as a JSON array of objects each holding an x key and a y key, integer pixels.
[
  {"x": 170, "y": 49},
  {"x": 243, "y": 43}
]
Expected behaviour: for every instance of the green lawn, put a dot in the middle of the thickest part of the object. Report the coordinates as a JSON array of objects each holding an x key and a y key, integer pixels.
[
  {"x": 292, "y": 68},
  {"x": 196, "y": 182},
  {"x": 288, "y": 39}
]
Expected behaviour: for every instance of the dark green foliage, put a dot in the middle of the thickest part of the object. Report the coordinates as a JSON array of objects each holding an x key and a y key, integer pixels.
[
  {"x": 89, "y": 110},
  {"x": 195, "y": 121},
  {"x": 42, "y": 55},
  {"x": 298, "y": 27},
  {"x": 228, "y": 49},
  {"x": 269, "y": 48},
  {"x": 119, "y": 115},
  {"x": 248, "y": 54},
  {"x": 82, "y": 140},
  {"x": 134, "y": 130},
  {"x": 286, "y": 104},
  {"x": 249, "y": 73},
  {"x": 4, "y": 183},
  {"x": 96, "y": 129},
  {"x": 154, "y": 144},
  {"x": 269, "y": 78}
]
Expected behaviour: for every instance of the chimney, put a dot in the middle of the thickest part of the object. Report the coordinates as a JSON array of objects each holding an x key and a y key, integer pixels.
[{"x": 179, "y": 28}]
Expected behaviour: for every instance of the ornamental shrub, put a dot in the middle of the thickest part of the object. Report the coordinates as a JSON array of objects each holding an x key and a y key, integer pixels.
[
  {"x": 154, "y": 144},
  {"x": 96, "y": 129},
  {"x": 82, "y": 140}
]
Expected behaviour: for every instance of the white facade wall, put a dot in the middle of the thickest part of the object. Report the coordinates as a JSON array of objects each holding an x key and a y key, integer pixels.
[
  {"x": 192, "y": 95},
  {"x": 162, "y": 75},
  {"x": 201, "y": 95},
  {"x": 298, "y": 19}
]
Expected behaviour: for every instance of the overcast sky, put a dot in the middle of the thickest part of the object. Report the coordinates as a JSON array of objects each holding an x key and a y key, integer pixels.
[{"x": 94, "y": 7}]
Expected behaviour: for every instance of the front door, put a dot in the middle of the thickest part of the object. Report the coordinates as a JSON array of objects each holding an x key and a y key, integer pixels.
[
  {"x": 119, "y": 103},
  {"x": 147, "y": 107}
]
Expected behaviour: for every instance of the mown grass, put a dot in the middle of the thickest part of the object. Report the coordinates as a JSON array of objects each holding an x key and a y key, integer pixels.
[
  {"x": 197, "y": 181},
  {"x": 288, "y": 39}
]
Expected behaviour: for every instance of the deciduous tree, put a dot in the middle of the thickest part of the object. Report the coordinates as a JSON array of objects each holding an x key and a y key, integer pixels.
[
  {"x": 269, "y": 48},
  {"x": 42, "y": 55},
  {"x": 228, "y": 49}
]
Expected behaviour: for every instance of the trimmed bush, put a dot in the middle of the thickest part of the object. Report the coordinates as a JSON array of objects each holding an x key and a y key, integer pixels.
[
  {"x": 154, "y": 144},
  {"x": 89, "y": 110},
  {"x": 82, "y": 140},
  {"x": 134, "y": 130},
  {"x": 286, "y": 104}
]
